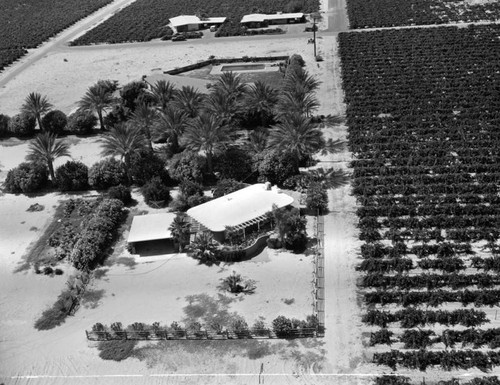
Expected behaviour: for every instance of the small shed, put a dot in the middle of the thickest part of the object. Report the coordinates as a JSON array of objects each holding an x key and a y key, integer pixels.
[{"x": 151, "y": 227}]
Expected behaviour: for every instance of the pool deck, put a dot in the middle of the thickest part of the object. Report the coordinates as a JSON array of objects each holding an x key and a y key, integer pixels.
[{"x": 268, "y": 67}]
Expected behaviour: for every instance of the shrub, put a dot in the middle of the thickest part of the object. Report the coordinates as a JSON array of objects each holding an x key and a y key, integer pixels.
[
  {"x": 116, "y": 350},
  {"x": 189, "y": 188},
  {"x": 81, "y": 122},
  {"x": 276, "y": 167},
  {"x": 156, "y": 191},
  {"x": 26, "y": 178},
  {"x": 121, "y": 193},
  {"x": 227, "y": 186},
  {"x": 56, "y": 315},
  {"x": 317, "y": 197},
  {"x": 234, "y": 163},
  {"x": 58, "y": 272},
  {"x": 72, "y": 176},
  {"x": 282, "y": 326},
  {"x": 187, "y": 165},
  {"x": 22, "y": 125},
  {"x": 132, "y": 93},
  {"x": 291, "y": 228},
  {"x": 107, "y": 173},
  {"x": 55, "y": 122},
  {"x": 4, "y": 125},
  {"x": 47, "y": 270},
  {"x": 146, "y": 165}
]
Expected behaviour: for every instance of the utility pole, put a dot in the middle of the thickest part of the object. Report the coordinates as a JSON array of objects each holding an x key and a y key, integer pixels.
[{"x": 315, "y": 16}]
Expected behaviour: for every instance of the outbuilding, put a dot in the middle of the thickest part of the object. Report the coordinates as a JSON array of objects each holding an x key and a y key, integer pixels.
[
  {"x": 259, "y": 20},
  {"x": 149, "y": 228},
  {"x": 188, "y": 23}
]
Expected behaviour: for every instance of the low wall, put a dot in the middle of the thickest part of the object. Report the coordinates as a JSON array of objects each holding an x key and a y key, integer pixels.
[
  {"x": 257, "y": 247},
  {"x": 244, "y": 59}
]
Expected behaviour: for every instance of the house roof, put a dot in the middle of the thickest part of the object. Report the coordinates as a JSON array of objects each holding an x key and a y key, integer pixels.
[
  {"x": 192, "y": 19},
  {"x": 179, "y": 81},
  {"x": 239, "y": 207},
  {"x": 260, "y": 17},
  {"x": 150, "y": 227}
]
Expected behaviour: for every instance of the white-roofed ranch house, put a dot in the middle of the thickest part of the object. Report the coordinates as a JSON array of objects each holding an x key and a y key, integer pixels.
[
  {"x": 259, "y": 20},
  {"x": 188, "y": 23}
]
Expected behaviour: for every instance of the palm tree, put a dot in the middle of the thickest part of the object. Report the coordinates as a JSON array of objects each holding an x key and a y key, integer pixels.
[
  {"x": 207, "y": 133},
  {"x": 45, "y": 148},
  {"x": 296, "y": 135},
  {"x": 221, "y": 105},
  {"x": 189, "y": 100},
  {"x": 97, "y": 99},
  {"x": 297, "y": 101},
  {"x": 230, "y": 84},
  {"x": 179, "y": 229},
  {"x": 162, "y": 92},
  {"x": 170, "y": 125},
  {"x": 36, "y": 105},
  {"x": 123, "y": 141},
  {"x": 257, "y": 141},
  {"x": 301, "y": 80},
  {"x": 204, "y": 248},
  {"x": 262, "y": 99},
  {"x": 144, "y": 117}
]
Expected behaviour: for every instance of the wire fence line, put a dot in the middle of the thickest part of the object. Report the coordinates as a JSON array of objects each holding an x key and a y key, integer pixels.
[{"x": 319, "y": 273}]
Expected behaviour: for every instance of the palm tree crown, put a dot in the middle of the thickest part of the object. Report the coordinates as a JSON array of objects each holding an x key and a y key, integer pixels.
[
  {"x": 189, "y": 100},
  {"x": 170, "y": 125},
  {"x": 144, "y": 117},
  {"x": 162, "y": 92},
  {"x": 179, "y": 229},
  {"x": 123, "y": 141},
  {"x": 207, "y": 133},
  {"x": 296, "y": 135},
  {"x": 45, "y": 148},
  {"x": 36, "y": 105},
  {"x": 97, "y": 99},
  {"x": 262, "y": 99}
]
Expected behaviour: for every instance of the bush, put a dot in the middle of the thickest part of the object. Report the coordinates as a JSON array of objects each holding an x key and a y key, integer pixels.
[
  {"x": 107, "y": 173},
  {"x": 276, "y": 167},
  {"x": 56, "y": 315},
  {"x": 47, "y": 270},
  {"x": 187, "y": 166},
  {"x": 317, "y": 198},
  {"x": 189, "y": 188},
  {"x": 234, "y": 163},
  {"x": 4, "y": 125},
  {"x": 146, "y": 165},
  {"x": 132, "y": 93},
  {"x": 291, "y": 228},
  {"x": 121, "y": 193},
  {"x": 81, "y": 122},
  {"x": 227, "y": 186},
  {"x": 58, "y": 272},
  {"x": 282, "y": 326},
  {"x": 97, "y": 233},
  {"x": 116, "y": 350},
  {"x": 72, "y": 176},
  {"x": 156, "y": 191},
  {"x": 55, "y": 122},
  {"x": 22, "y": 125},
  {"x": 26, "y": 178}
]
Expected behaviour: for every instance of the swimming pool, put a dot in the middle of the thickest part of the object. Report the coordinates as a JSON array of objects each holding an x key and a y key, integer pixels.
[{"x": 242, "y": 67}]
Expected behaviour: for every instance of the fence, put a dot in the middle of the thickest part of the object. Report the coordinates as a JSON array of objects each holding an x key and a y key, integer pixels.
[
  {"x": 319, "y": 274},
  {"x": 185, "y": 334}
]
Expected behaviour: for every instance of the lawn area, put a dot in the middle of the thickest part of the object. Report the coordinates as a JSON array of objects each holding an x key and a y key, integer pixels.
[{"x": 159, "y": 289}]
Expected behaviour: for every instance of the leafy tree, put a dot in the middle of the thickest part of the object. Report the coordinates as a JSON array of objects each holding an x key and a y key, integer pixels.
[
  {"x": 233, "y": 163},
  {"x": 275, "y": 166},
  {"x": 45, "y": 149},
  {"x": 170, "y": 126},
  {"x": 189, "y": 188},
  {"x": 187, "y": 165},
  {"x": 155, "y": 191},
  {"x": 145, "y": 165},
  {"x": 162, "y": 93},
  {"x": 98, "y": 99},
  {"x": 121, "y": 193},
  {"x": 317, "y": 198},
  {"x": 36, "y": 105},
  {"x": 81, "y": 122},
  {"x": 133, "y": 94},
  {"x": 123, "y": 141},
  {"x": 55, "y": 122},
  {"x": 189, "y": 100},
  {"x": 261, "y": 100},
  {"x": 117, "y": 115},
  {"x": 72, "y": 176},
  {"x": 296, "y": 135},
  {"x": 180, "y": 229},
  {"x": 26, "y": 178},
  {"x": 208, "y": 134},
  {"x": 203, "y": 248},
  {"x": 22, "y": 125},
  {"x": 4, "y": 125},
  {"x": 226, "y": 186},
  {"x": 291, "y": 227},
  {"x": 107, "y": 173},
  {"x": 282, "y": 326}
]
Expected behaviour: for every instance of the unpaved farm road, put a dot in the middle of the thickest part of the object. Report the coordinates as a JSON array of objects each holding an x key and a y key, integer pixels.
[{"x": 61, "y": 40}]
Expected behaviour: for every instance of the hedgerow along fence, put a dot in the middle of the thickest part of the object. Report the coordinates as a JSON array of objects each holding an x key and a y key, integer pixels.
[{"x": 186, "y": 334}]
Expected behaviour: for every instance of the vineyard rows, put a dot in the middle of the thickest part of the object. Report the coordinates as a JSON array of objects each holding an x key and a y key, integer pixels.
[
  {"x": 423, "y": 114},
  {"x": 145, "y": 20},
  {"x": 29, "y": 23},
  {"x": 390, "y": 13}
]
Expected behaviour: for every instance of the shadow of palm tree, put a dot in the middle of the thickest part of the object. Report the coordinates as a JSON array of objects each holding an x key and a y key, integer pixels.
[{"x": 330, "y": 177}]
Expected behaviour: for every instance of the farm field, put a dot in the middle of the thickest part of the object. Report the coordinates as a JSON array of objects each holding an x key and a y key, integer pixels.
[
  {"x": 392, "y": 13},
  {"x": 422, "y": 114},
  {"x": 27, "y": 24},
  {"x": 145, "y": 20}
]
